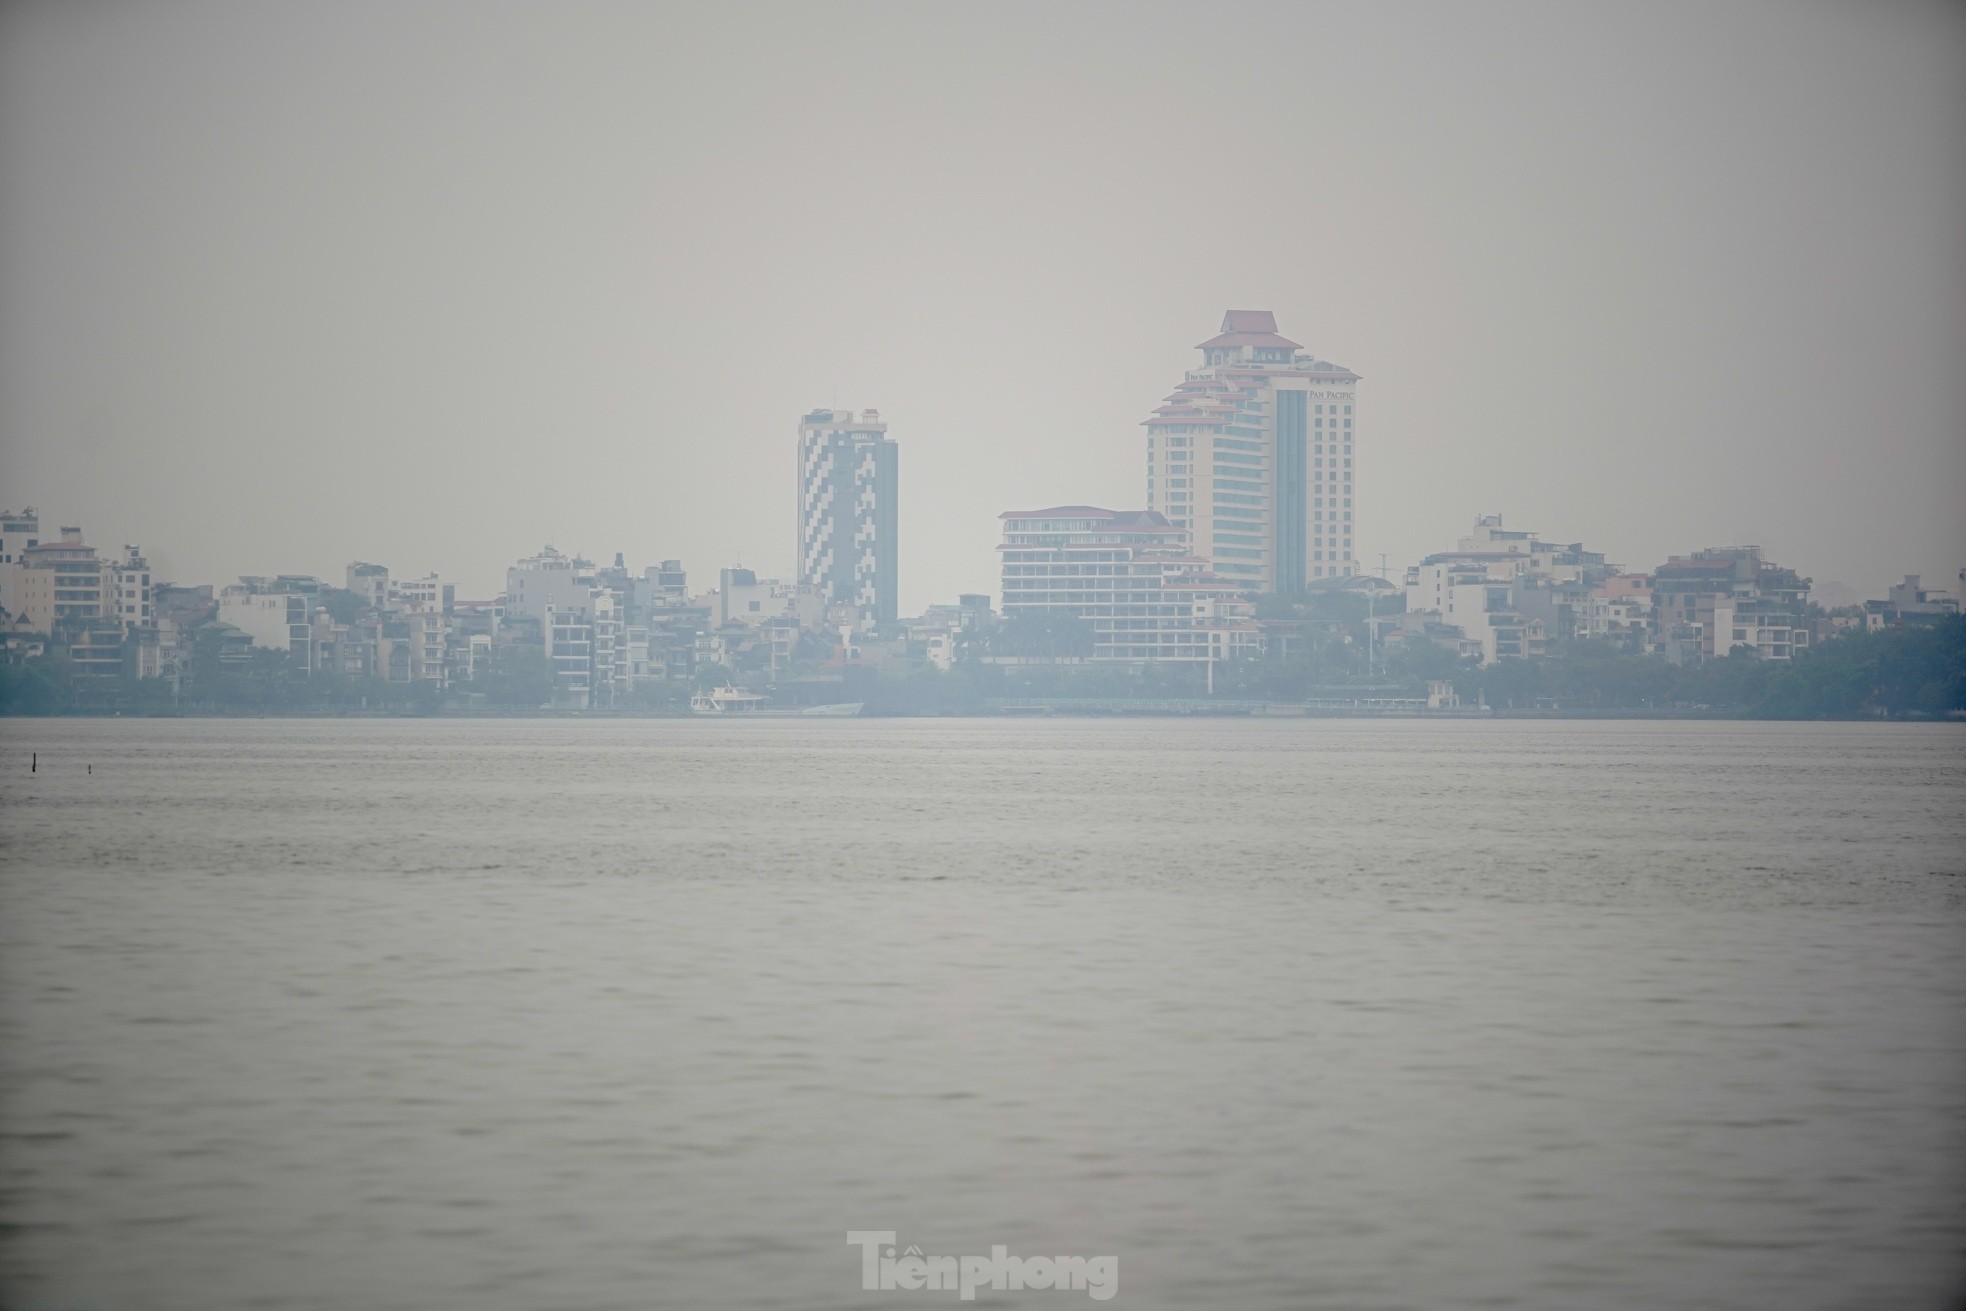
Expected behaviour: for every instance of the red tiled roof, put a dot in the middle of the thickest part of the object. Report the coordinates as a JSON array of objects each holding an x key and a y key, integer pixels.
[
  {"x": 1076, "y": 511},
  {"x": 1249, "y": 339},
  {"x": 1249, "y": 321}
]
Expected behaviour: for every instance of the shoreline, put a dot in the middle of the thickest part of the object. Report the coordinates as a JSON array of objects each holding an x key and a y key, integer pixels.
[{"x": 1025, "y": 712}]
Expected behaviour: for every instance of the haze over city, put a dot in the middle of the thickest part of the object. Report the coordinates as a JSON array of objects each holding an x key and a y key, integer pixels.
[
  {"x": 1281, "y": 656},
  {"x": 287, "y": 287}
]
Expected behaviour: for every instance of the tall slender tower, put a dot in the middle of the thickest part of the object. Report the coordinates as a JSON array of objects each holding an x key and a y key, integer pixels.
[
  {"x": 847, "y": 479},
  {"x": 1253, "y": 455}
]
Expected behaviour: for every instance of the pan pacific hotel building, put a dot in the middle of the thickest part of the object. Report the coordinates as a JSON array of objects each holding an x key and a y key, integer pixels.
[{"x": 1252, "y": 455}]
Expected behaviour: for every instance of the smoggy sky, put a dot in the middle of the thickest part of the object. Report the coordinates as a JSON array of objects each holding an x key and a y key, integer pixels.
[{"x": 283, "y": 286}]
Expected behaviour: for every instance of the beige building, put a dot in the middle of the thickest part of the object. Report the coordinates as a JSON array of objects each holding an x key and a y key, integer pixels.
[
  {"x": 1252, "y": 456},
  {"x": 61, "y": 581}
]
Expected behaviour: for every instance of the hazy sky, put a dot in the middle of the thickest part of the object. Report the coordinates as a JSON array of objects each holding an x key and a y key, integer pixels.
[{"x": 284, "y": 285}]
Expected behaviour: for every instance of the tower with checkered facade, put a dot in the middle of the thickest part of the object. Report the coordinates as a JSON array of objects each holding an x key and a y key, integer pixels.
[{"x": 847, "y": 480}]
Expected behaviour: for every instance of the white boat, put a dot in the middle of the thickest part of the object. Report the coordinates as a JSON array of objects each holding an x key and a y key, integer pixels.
[{"x": 728, "y": 700}]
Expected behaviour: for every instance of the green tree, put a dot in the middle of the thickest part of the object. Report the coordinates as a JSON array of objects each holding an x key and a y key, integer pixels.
[
  {"x": 520, "y": 677},
  {"x": 39, "y": 686},
  {"x": 342, "y": 605},
  {"x": 1043, "y": 636}
]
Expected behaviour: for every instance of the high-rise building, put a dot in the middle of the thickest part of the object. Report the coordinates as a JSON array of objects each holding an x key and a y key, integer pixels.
[
  {"x": 847, "y": 480},
  {"x": 1253, "y": 455}
]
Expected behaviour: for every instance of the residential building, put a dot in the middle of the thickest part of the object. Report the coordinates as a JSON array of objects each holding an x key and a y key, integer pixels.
[
  {"x": 472, "y": 629},
  {"x": 848, "y": 478},
  {"x": 1130, "y": 577},
  {"x": 271, "y": 620},
  {"x": 582, "y": 617},
  {"x": 569, "y": 638},
  {"x": 429, "y": 646},
  {"x": 743, "y": 598},
  {"x": 127, "y": 590},
  {"x": 292, "y": 584},
  {"x": 1909, "y": 603},
  {"x": 1508, "y": 592},
  {"x": 1771, "y": 628},
  {"x": 370, "y": 582},
  {"x": 17, "y": 533},
  {"x": 548, "y": 580},
  {"x": 662, "y": 586},
  {"x": 1700, "y": 603},
  {"x": 426, "y": 595},
  {"x": 62, "y": 582},
  {"x": 1621, "y": 610},
  {"x": 94, "y": 646},
  {"x": 1253, "y": 456},
  {"x": 1500, "y": 554}
]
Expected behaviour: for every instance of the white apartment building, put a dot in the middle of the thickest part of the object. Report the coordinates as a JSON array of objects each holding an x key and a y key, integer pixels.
[
  {"x": 1507, "y": 590},
  {"x": 581, "y": 624},
  {"x": 1912, "y": 601},
  {"x": 549, "y": 579},
  {"x": 424, "y": 595},
  {"x": 370, "y": 582},
  {"x": 1130, "y": 576},
  {"x": 126, "y": 593},
  {"x": 569, "y": 641},
  {"x": 1770, "y": 628},
  {"x": 744, "y": 598},
  {"x": 1253, "y": 454},
  {"x": 275, "y": 621}
]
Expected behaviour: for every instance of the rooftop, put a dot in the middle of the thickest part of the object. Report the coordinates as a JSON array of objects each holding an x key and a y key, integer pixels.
[{"x": 1249, "y": 328}]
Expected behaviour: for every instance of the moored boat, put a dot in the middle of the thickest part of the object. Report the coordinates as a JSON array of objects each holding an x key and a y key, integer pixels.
[{"x": 728, "y": 700}]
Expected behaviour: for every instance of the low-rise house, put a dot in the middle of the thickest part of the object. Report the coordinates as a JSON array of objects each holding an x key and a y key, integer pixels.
[{"x": 1909, "y": 603}]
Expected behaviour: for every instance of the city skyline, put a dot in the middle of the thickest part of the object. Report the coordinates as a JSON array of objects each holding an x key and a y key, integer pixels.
[
  {"x": 1292, "y": 655},
  {"x": 271, "y": 323}
]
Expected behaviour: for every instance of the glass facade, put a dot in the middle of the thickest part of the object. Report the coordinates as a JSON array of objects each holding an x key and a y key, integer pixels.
[{"x": 1291, "y": 488}]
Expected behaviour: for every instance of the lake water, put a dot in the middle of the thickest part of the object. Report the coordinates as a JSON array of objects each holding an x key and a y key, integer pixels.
[{"x": 1316, "y": 1014}]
